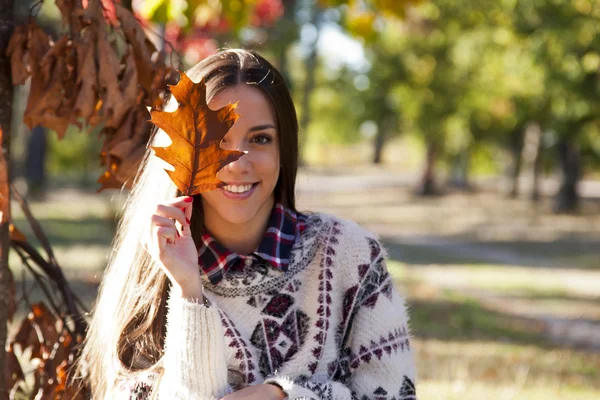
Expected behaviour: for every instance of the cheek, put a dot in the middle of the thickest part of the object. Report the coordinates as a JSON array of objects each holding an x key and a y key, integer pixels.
[{"x": 268, "y": 166}]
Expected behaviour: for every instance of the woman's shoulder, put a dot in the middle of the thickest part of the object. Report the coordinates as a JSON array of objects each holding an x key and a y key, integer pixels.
[{"x": 354, "y": 238}]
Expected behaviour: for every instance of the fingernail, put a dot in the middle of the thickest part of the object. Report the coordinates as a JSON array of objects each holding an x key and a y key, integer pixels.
[
  {"x": 187, "y": 220},
  {"x": 188, "y": 199}
]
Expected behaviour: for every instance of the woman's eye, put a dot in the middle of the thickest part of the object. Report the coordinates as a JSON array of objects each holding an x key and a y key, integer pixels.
[{"x": 261, "y": 139}]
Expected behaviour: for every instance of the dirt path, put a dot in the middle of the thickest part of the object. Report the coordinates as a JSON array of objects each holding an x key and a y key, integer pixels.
[{"x": 474, "y": 229}]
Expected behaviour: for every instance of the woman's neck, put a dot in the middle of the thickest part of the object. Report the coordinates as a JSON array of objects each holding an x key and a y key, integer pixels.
[{"x": 239, "y": 238}]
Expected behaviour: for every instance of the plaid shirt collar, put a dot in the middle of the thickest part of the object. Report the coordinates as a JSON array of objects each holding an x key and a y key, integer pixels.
[{"x": 285, "y": 227}]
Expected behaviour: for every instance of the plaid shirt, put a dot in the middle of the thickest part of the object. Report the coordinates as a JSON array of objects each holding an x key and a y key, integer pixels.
[{"x": 285, "y": 227}]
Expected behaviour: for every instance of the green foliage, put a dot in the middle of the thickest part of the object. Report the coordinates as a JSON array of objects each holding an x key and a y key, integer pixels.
[
  {"x": 76, "y": 154},
  {"x": 476, "y": 71}
]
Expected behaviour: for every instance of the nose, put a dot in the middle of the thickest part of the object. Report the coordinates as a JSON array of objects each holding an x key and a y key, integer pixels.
[{"x": 240, "y": 166}]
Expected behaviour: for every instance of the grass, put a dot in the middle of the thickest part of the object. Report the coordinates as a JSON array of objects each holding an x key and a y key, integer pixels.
[
  {"x": 484, "y": 278},
  {"x": 469, "y": 346}
]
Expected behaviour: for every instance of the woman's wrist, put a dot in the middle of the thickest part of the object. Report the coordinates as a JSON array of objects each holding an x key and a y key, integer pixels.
[{"x": 191, "y": 289}]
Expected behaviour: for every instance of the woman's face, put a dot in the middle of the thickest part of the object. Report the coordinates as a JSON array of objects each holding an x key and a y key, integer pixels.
[{"x": 250, "y": 180}]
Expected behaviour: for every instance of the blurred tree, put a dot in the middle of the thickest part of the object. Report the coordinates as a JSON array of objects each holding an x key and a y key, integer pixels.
[
  {"x": 440, "y": 56},
  {"x": 563, "y": 36},
  {"x": 362, "y": 19}
]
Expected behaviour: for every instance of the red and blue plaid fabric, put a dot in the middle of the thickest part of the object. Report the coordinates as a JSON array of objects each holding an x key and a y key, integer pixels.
[{"x": 285, "y": 227}]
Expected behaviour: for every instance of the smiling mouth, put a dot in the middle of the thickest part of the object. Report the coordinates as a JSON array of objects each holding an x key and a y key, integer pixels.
[{"x": 240, "y": 189}]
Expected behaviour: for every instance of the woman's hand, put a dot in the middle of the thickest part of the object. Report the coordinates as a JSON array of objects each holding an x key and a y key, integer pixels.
[
  {"x": 174, "y": 248},
  {"x": 257, "y": 392}
]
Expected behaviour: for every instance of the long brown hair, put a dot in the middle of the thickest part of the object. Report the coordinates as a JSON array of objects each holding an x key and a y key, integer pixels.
[{"x": 126, "y": 334}]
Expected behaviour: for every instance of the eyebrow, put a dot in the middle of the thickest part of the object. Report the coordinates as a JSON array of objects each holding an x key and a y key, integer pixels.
[{"x": 261, "y": 128}]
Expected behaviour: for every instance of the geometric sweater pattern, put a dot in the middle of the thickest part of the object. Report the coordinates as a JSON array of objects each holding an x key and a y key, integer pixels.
[{"x": 331, "y": 327}]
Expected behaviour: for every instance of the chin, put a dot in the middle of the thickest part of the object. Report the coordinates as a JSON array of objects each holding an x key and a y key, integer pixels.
[{"x": 239, "y": 215}]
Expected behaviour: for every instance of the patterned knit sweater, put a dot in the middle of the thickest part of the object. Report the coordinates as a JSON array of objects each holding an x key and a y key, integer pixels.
[{"x": 330, "y": 327}]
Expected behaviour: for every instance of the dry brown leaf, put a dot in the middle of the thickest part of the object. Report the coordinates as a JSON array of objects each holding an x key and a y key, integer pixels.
[
  {"x": 143, "y": 49},
  {"x": 129, "y": 82},
  {"x": 108, "y": 179},
  {"x": 56, "y": 105},
  {"x": 37, "y": 331},
  {"x": 87, "y": 76},
  {"x": 72, "y": 13},
  {"x": 46, "y": 321},
  {"x": 65, "y": 7},
  {"x": 112, "y": 137},
  {"x": 123, "y": 151},
  {"x": 52, "y": 75},
  {"x": 114, "y": 106},
  {"x": 93, "y": 11},
  {"x": 17, "y": 47},
  {"x": 38, "y": 44},
  {"x": 196, "y": 132},
  {"x": 27, "y": 337}
]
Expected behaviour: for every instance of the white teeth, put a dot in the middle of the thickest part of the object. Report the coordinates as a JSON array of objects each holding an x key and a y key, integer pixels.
[{"x": 237, "y": 188}]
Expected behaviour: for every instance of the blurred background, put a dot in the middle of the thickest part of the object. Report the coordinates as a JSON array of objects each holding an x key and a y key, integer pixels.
[{"x": 466, "y": 134}]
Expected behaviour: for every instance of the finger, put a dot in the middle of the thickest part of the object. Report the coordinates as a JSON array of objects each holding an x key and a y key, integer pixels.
[
  {"x": 164, "y": 235},
  {"x": 159, "y": 220},
  {"x": 170, "y": 211},
  {"x": 179, "y": 202},
  {"x": 187, "y": 210},
  {"x": 184, "y": 203}
]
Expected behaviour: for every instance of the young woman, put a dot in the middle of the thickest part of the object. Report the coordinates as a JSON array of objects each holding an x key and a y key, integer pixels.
[{"x": 234, "y": 294}]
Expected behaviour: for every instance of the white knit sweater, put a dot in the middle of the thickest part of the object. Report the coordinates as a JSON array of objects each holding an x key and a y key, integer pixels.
[{"x": 331, "y": 327}]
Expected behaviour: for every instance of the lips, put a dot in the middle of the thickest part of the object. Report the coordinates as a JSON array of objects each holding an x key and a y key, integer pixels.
[{"x": 239, "y": 196}]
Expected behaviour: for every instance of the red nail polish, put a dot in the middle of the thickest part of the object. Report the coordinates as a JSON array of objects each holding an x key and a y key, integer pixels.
[
  {"x": 188, "y": 199},
  {"x": 178, "y": 235},
  {"x": 187, "y": 220}
]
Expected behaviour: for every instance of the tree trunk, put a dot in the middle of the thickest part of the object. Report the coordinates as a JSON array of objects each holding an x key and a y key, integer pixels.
[
  {"x": 569, "y": 158},
  {"x": 384, "y": 126},
  {"x": 516, "y": 152},
  {"x": 378, "y": 144},
  {"x": 309, "y": 85},
  {"x": 6, "y": 97},
  {"x": 427, "y": 186},
  {"x": 536, "y": 172}
]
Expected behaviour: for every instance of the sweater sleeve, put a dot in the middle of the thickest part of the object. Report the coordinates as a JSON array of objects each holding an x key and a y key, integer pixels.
[
  {"x": 194, "y": 358},
  {"x": 376, "y": 361}
]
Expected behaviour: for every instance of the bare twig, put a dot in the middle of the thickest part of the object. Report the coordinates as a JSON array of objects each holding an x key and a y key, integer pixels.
[
  {"x": 61, "y": 285},
  {"x": 35, "y": 226},
  {"x": 40, "y": 282},
  {"x": 51, "y": 268}
]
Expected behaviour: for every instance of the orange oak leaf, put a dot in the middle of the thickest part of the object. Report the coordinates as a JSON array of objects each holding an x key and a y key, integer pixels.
[{"x": 196, "y": 132}]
